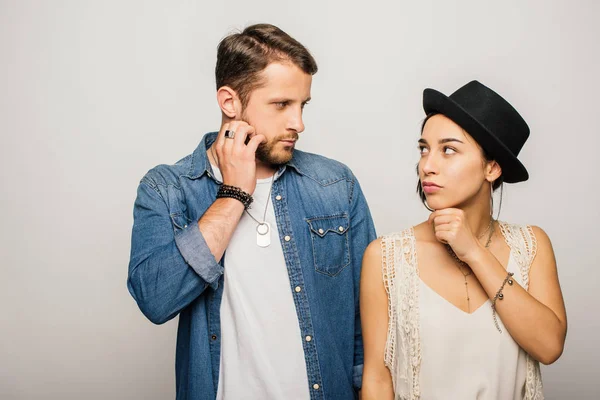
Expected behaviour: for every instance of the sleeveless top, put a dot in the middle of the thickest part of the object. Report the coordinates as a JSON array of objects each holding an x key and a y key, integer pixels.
[
  {"x": 403, "y": 350},
  {"x": 464, "y": 355}
]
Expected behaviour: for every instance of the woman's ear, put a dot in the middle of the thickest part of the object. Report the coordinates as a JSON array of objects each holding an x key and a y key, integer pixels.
[{"x": 493, "y": 171}]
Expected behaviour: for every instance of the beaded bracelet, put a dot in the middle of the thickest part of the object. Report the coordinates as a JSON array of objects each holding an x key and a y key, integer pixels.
[
  {"x": 235, "y": 193},
  {"x": 500, "y": 296}
]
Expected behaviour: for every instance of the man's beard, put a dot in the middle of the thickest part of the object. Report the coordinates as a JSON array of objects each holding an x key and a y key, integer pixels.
[{"x": 266, "y": 153}]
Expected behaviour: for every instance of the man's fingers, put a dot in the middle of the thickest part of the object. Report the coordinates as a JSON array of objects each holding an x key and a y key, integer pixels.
[
  {"x": 243, "y": 131},
  {"x": 221, "y": 136},
  {"x": 254, "y": 142},
  {"x": 238, "y": 128}
]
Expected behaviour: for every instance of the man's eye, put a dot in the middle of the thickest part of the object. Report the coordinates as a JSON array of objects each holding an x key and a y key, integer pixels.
[{"x": 281, "y": 104}]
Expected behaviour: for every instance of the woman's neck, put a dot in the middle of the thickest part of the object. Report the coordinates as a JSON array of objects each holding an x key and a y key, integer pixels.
[{"x": 478, "y": 211}]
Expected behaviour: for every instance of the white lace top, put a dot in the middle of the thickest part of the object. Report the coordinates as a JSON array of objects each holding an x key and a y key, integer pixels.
[{"x": 404, "y": 347}]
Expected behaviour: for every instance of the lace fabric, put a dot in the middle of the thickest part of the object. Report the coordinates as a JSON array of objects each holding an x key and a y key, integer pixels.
[{"x": 400, "y": 271}]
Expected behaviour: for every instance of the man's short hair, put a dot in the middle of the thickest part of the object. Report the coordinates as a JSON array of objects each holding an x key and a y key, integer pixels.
[{"x": 241, "y": 57}]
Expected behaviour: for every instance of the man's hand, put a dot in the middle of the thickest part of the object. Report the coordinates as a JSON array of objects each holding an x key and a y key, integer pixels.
[{"x": 236, "y": 159}]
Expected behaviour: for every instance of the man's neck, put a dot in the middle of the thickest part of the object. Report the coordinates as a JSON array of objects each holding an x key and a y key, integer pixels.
[{"x": 264, "y": 171}]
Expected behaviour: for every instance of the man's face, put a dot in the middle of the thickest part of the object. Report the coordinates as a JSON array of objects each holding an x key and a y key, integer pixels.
[{"x": 275, "y": 111}]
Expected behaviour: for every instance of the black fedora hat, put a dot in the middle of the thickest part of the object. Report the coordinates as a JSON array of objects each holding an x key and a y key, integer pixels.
[{"x": 489, "y": 119}]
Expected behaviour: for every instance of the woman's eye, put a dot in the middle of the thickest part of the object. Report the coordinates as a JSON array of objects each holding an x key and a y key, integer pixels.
[
  {"x": 423, "y": 150},
  {"x": 449, "y": 150}
]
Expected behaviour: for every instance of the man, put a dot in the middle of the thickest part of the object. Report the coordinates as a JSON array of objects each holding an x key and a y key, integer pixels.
[{"x": 255, "y": 245}]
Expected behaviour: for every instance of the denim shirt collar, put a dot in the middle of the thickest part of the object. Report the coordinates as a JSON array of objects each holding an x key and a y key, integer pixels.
[{"x": 200, "y": 163}]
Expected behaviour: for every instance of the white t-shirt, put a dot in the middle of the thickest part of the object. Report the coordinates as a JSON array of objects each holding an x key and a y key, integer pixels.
[{"x": 261, "y": 344}]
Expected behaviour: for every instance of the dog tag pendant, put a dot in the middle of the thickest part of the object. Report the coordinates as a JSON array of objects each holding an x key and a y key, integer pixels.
[{"x": 263, "y": 234}]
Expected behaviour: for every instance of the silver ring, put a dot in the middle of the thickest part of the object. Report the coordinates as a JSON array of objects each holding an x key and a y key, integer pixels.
[{"x": 229, "y": 134}]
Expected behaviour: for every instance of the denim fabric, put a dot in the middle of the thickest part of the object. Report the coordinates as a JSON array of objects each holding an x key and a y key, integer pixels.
[{"x": 324, "y": 225}]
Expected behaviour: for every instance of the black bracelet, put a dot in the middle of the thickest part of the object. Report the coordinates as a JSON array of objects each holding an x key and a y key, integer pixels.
[{"x": 235, "y": 193}]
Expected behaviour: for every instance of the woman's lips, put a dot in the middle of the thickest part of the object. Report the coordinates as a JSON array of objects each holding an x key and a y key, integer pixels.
[{"x": 430, "y": 187}]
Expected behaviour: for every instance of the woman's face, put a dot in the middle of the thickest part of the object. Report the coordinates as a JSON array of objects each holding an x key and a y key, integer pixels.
[{"x": 452, "y": 169}]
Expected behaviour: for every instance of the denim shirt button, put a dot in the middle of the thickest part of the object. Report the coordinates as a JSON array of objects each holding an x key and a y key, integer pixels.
[
  {"x": 308, "y": 338},
  {"x": 287, "y": 238},
  {"x": 278, "y": 197},
  {"x": 321, "y": 231},
  {"x": 316, "y": 386},
  {"x": 214, "y": 337},
  {"x": 298, "y": 289}
]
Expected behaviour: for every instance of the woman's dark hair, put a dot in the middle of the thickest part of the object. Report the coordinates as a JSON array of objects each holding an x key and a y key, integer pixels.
[{"x": 498, "y": 183}]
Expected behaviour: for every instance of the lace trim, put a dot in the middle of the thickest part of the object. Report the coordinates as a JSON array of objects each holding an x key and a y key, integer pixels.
[
  {"x": 401, "y": 281},
  {"x": 389, "y": 281}
]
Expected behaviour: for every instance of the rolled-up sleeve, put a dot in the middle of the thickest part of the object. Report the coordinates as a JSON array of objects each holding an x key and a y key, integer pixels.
[
  {"x": 167, "y": 270},
  {"x": 197, "y": 254}
]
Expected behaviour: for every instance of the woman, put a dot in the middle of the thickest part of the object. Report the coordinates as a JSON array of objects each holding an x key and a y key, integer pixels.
[{"x": 462, "y": 306}]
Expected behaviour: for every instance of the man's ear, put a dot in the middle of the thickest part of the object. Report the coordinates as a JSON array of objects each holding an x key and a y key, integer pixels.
[{"x": 229, "y": 102}]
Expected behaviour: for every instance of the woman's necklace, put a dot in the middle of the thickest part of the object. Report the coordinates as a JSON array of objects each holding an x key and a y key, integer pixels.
[{"x": 460, "y": 264}]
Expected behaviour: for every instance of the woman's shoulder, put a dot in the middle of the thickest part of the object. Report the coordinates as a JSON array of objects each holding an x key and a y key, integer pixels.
[
  {"x": 534, "y": 230},
  {"x": 420, "y": 233},
  {"x": 380, "y": 246},
  {"x": 533, "y": 237},
  {"x": 408, "y": 232}
]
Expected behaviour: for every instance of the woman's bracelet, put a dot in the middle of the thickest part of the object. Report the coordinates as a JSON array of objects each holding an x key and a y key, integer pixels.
[{"x": 500, "y": 296}]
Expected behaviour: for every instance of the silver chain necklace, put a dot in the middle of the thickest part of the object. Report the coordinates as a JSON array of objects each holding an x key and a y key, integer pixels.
[
  {"x": 263, "y": 229},
  {"x": 462, "y": 264}
]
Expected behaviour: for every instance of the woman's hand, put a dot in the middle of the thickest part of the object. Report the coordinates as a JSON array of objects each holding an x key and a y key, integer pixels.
[{"x": 451, "y": 227}]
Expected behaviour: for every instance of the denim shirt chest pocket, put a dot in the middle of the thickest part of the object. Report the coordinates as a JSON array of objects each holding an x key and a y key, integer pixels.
[{"x": 329, "y": 236}]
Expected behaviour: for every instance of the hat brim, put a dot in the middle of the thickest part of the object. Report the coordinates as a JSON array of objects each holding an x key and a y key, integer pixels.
[{"x": 512, "y": 169}]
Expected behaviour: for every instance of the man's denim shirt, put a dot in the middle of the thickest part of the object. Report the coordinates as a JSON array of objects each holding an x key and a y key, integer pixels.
[{"x": 324, "y": 227}]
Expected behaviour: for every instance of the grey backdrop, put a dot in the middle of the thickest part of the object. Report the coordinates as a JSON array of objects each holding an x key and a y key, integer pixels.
[{"x": 94, "y": 93}]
